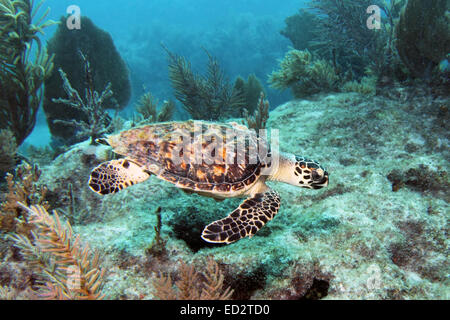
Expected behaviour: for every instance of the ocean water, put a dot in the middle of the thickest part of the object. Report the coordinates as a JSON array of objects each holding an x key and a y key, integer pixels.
[
  {"x": 177, "y": 23},
  {"x": 351, "y": 202}
]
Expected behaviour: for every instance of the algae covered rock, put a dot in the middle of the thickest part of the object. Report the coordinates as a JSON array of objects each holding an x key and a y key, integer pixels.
[
  {"x": 66, "y": 178},
  {"x": 107, "y": 64}
]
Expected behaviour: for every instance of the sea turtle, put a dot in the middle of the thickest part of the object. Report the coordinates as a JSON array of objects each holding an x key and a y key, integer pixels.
[{"x": 212, "y": 159}]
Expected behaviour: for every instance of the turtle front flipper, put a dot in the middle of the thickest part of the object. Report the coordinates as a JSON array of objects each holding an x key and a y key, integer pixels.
[
  {"x": 246, "y": 220},
  {"x": 115, "y": 175}
]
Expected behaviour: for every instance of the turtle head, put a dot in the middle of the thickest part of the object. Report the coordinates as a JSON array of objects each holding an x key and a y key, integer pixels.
[
  {"x": 310, "y": 174},
  {"x": 300, "y": 172}
]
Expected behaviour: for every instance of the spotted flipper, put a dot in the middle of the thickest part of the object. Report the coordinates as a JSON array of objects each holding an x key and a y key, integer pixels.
[
  {"x": 246, "y": 220},
  {"x": 113, "y": 176}
]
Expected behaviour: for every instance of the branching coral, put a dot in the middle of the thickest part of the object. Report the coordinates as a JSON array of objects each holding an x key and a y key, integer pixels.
[
  {"x": 213, "y": 284},
  {"x": 158, "y": 246},
  {"x": 304, "y": 75},
  {"x": 147, "y": 108},
  {"x": 261, "y": 115},
  {"x": 71, "y": 270},
  {"x": 367, "y": 86},
  {"x": 250, "y": 91},
  {"x": 21, "y": 76},
  {"x": 97, "y": 121},
  {"x": 190, "y": 286},
  {"x": 98, "y": 46},
  {"x": 209, "y": 97}
]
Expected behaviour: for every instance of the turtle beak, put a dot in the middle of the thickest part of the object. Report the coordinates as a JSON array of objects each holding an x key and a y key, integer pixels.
[
  {"x": 325, "y": 180},
  {"x": 321, "y": 179}
]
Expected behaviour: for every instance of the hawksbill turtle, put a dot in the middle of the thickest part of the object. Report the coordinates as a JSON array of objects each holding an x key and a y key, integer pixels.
[{"x": 212, "y": 159}]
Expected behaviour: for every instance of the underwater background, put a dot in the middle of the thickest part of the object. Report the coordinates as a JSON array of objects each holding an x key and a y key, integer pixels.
[
  {"x": 362, "y": 86},
  {"x": 226, "y": 30}
]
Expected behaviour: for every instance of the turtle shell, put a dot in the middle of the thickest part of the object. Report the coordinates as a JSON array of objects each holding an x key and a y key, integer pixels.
[{"x": 196, "y": 155}]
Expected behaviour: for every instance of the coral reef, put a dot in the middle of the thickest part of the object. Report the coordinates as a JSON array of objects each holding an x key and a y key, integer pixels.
[
  {"x": 51, "y": 263},
  {"x": 342, "y": 36},
  {"x": 259, "y": 119},
  {"x": 355, "y": 240},
  {"x": 69, "y": 269},
  {"x": 147, "y": 108},
  {"x": 308, "y": 282},
  {"x": 96, "y": 121},
  {"x": 304, "y": 75},
  {"x": 67, "y": 186},
  {"x": 40, "y": 155},
  {"x": 22, "y": 76},
  {"x": 158, "y": 246},
  {"x": 16, "y": 278},
  {"x": 421, "y": 179},
  {"x": 209, "y": 97},
  {"x": 190, "y": 287},
  {"x": 244, "y": 281},
  {"x": 423, "y": 35},
  {"x": 343, "y": 28},
  {"x": 367, "y": 86},
  {"x": 412, "y": 250},
  {"x": 251, "y": 91},
  {"x": 98, "y": 47}
]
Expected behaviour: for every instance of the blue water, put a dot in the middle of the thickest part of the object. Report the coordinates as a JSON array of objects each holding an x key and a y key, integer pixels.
[{"x": 243, "y": 35}]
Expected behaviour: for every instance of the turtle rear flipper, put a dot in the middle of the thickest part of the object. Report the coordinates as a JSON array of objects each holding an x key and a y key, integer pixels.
[
  {"x": 113, "y": 176},
  {"x": 246, "y": 220}
]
